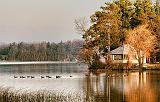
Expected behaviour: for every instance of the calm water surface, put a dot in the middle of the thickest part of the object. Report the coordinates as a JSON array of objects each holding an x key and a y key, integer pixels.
[{"x": 101, "y": 86}]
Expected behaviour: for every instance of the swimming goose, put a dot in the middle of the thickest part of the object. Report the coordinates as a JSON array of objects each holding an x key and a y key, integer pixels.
[
  {"x": 58, "y": 76},
  {"x": 15, "y": 77},
  {"x": 42, "y": 77},
  {"x": 32, "y": 77}
]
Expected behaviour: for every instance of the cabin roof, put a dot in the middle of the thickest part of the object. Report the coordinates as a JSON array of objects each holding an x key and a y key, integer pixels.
[{"x": 124, "y": 49}]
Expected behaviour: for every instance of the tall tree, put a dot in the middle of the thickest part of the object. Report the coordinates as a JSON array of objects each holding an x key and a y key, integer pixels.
[
  {"x": 142, "y": 40},
  {"x": 110, "y": 25}
]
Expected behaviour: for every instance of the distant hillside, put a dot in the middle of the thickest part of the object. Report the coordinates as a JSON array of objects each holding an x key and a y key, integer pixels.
[{"x": 43, "y": 51}]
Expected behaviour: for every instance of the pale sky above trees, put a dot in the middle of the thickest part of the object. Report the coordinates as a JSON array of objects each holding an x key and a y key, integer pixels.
[{"x": 43, "y": 20}]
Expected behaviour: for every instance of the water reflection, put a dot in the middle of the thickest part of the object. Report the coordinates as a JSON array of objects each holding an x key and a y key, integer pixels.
[
  {"x": 123, "y": 86},
  {"x": 45, "y": 68},
  {"x": 95, "y": 85}
]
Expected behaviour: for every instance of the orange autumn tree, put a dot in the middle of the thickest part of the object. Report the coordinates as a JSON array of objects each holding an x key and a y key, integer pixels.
[{"x": 142, "y": 40}]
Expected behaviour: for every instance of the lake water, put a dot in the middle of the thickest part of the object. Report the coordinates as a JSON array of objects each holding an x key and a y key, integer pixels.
[{"x": 100, "y": 86}]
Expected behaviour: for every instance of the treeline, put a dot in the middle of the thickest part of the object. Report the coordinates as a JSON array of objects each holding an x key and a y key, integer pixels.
[{"x": 44, "y": 51}]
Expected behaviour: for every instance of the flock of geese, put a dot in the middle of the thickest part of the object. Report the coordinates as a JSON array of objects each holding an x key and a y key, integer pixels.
[{"x": 42, "y": 77}]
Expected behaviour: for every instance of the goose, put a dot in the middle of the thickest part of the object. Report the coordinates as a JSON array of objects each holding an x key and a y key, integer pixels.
[
  {"x": 15, "y": 77},
  {"x": 58, "y": 76},
  {"x": 42, "y": 77},
  {"x": 49, "y": 77},
  {"x": 28, "y": 76},
  {"x": 22, "y": 77},
  {"x": 32, "y": 77}
]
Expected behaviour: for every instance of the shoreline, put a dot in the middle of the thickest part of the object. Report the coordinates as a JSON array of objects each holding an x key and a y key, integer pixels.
[
  {"x": 116, "y": 66},
  {"x": 34, "y": 62}
]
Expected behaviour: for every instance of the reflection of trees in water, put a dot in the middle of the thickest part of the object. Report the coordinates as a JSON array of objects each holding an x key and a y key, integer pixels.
[
  {"x": 143, "y": 92},
  {"x": 116, "y": 87},
  {"x": 41, "y": 68},
  {"x": 99, "y": 89},
  {"x": 26, "y": 68}
]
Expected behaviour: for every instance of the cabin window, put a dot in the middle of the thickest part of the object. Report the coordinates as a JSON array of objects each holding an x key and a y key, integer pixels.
[{"x": 118, "y": 57}]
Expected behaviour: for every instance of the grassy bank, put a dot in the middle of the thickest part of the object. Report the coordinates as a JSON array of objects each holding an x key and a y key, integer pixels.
[
  {"x": 11, "y": 95},
  {"x": 125, "y": 66}
]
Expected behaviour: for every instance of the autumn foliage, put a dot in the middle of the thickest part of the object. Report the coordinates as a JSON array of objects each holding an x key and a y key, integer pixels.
[{"x": 142, "y": 40}]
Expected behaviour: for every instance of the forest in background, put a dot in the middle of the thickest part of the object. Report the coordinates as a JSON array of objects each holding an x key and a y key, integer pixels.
[{"x": 43, "y": 51}]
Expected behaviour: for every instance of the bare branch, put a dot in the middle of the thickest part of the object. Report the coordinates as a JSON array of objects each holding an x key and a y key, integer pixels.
[{"x": 81, "y": 25}]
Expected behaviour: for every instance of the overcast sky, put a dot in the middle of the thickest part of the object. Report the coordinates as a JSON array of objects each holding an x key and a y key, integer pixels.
[{"x": 43, "y": 20}]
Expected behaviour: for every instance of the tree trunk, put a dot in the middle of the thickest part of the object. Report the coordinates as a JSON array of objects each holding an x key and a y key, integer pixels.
[
  {"x": 140, "y": 59},
  {"x": 140, "y": 63}
]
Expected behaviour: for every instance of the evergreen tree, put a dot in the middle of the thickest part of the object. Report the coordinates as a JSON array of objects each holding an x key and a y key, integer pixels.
[{"x": 110, "y": 25}]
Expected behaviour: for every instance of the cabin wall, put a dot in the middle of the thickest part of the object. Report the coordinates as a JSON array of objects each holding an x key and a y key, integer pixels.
[{"x": 132, "y": 60}]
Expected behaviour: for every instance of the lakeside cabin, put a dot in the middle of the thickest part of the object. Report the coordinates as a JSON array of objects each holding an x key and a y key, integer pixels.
[{"x": 123, "y": 54}]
